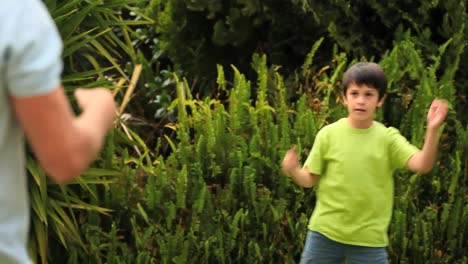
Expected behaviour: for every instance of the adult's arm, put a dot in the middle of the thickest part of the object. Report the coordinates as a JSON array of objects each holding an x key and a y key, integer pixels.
[{"x": 65, "y": 145}]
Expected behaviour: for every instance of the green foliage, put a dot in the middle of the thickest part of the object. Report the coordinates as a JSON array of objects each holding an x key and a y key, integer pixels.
[
  {"x": 92, "y": 54},
  {"x": 210, "y": 190},
  {"x": 428, "y": 220},
  {"x": 219, "y": 196},
  {"x": 199, "y": 34}
]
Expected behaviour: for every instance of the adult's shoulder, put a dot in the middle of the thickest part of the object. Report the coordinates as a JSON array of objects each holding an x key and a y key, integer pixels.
[
  {"x": 26, "y": 23},
  {"x": 34, "y": 48}
]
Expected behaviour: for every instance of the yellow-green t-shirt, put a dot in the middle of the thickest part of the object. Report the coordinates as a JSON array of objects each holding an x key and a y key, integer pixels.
[{"x": 355, "y": 190}]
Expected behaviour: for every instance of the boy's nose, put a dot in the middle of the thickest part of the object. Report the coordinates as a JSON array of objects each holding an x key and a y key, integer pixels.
[{"x": 360, "y": 99}]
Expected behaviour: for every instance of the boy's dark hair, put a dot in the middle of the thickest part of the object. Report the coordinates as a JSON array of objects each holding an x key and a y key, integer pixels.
[{"x": 368, "y": 73}]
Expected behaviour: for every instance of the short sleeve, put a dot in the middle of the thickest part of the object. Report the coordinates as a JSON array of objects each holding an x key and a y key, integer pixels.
[
  {"x": 315, "y": 161},
  {"x": 34, "y": 63},
  {"x": 400, "y": 150}
]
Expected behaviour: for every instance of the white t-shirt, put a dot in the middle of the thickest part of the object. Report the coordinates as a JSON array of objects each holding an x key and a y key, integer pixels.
[{"x": 30, "y": 64}]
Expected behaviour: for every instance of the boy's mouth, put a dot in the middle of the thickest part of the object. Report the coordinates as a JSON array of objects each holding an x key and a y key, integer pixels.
[{"x": 360, "y": 110}]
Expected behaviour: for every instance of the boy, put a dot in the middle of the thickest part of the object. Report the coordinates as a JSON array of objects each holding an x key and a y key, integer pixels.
[
  {"x": 33, "y": 102},
  {"x": 352, "y": 162}
]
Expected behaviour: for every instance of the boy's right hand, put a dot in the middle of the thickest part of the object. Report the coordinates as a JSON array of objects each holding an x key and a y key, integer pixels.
[{"x": 290, "y": 162}]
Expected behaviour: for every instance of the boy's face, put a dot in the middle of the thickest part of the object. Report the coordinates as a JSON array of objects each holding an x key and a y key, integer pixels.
[{"x": 362, "y": 101}]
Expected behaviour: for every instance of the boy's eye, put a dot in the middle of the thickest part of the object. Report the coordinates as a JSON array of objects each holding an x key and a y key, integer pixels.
[{"x": 369, "y": 94}]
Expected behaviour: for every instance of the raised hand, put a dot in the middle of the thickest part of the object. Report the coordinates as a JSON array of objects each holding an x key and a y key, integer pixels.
[
  {"x": 437, "y": 113},
  {"x": 99, "y": 96},
  {"x": 290, "y": 161}
]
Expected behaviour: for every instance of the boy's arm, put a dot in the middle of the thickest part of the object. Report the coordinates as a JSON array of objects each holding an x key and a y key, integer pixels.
[
  {"x": 301, "y": 176},
  {"x": 423, "y": 161}
]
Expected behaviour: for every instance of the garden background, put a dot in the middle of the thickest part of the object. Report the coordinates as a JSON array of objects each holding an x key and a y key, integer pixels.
[{"x": 212, "y": 93}]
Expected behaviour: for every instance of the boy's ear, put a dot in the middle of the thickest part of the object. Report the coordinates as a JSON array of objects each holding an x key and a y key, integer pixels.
[
  {"x": 381, "y": 101},
  {"x": 345, "y": 102}
]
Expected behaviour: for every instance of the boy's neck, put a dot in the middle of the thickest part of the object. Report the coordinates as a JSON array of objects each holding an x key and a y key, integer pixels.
[{"x": 359, "y": 124}]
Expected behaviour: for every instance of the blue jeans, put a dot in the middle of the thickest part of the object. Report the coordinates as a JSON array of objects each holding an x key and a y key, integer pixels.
[{"x": 319, "y": 249}]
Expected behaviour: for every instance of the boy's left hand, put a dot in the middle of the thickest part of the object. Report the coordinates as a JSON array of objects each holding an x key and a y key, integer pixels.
[{"x": 437, "y": 113}]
